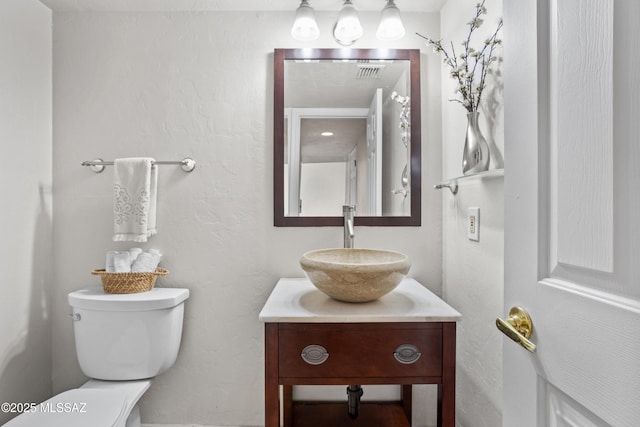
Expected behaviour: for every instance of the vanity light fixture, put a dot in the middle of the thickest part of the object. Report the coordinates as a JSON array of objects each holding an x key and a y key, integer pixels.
[
  {"x": 305, "y": 27},
  {"x": 326, "y": 133},
  {"x": 390, "y": 27},
  {"x": 347, "y": 29}
]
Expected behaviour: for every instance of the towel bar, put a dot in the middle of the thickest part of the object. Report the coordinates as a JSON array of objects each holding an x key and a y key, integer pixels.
[{"x": 187, "y": 164}]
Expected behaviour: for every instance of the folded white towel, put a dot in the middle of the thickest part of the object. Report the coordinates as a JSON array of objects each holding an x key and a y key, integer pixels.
[
  {"x": 135, "y": 183},
  {"x": 109, "y": 265},
  {"x": 122, "y": 262},
  {"x": 134, "y": 252},
  {"x": 145, "y": 262}
]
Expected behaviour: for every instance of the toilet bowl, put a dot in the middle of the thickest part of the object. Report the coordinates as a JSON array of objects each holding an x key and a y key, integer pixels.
[{"x": 122, "y": 342}]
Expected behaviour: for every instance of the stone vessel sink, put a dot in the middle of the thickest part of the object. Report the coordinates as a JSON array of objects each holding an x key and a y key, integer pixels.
[{"x": 355, "y": 275}]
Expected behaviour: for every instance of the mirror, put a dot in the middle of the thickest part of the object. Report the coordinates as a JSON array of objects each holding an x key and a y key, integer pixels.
[{"x": 347, "y": 132}]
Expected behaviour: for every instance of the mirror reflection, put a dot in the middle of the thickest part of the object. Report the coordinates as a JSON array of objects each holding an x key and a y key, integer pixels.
[
  {"x": 345, "y": 145},
  {"x": 347, "y": 136}
]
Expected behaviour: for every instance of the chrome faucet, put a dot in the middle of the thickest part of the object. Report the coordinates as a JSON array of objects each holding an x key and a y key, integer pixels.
[{"x": 348, "y": 211}]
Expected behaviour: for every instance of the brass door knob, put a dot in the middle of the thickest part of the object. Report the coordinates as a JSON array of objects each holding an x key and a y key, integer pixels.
[{"x": 518, "y": 327}]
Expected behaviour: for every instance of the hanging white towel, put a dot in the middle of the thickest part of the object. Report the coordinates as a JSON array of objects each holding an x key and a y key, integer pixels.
[{"x": 135, "y": 183}]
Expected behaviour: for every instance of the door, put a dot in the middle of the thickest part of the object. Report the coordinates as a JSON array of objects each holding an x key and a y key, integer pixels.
[
  {"x": 374, "y": 155},
  {"x": 572, "y": 197}
]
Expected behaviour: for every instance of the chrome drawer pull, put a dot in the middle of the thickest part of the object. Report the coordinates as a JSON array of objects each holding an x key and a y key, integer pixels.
[
  {"x": 314, "y": 354},
  {"x": 407, "y": 354}
]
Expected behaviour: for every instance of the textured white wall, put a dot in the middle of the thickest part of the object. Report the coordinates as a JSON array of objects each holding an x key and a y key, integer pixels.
[
  {"x": 25, "y": 176},
  {"x": 473, "y": 271},
  {"x": 171, "y": 85}
]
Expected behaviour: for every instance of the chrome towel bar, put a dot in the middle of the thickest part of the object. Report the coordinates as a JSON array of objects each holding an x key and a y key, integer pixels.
[{"x": 187, "y": 164}]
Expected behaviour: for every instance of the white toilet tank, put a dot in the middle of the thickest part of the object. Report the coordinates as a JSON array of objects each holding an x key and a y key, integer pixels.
[{"x": 127, "y": 336}]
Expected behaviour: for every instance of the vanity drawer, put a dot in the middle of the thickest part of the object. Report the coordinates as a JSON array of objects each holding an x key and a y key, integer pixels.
[{"x": 360, "y": 350}]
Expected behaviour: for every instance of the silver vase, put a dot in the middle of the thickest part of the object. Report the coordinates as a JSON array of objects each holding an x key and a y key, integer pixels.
[{"x": 475, "y": 157}]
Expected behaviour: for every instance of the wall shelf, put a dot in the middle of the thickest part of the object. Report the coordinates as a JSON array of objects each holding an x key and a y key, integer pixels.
[{"x": 452, "y": 183}]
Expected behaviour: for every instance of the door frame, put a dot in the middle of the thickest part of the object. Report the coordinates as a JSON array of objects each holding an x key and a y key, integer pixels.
[{"x": 295, "y": 116}]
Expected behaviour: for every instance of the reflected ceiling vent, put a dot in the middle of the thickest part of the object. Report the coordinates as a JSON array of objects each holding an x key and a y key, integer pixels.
[{"x": 368, "y": 71}]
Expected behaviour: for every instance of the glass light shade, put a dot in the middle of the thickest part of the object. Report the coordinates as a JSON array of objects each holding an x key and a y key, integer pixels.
[
  {"x": 390, "y": 27},
  {"x": 347, "y": 28},
  {"x": 305, "y": 27}
]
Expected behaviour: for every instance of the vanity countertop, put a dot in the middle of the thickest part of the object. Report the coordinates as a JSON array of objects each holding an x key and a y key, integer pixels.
[{"x": 296, "y": 300}]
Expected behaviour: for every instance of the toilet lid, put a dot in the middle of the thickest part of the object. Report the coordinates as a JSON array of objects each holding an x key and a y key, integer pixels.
[
  {"x": 94, "y": 298},
  {"x": 80, "y": 407}
]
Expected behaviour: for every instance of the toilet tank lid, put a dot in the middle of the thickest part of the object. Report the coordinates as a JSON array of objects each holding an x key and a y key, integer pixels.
[{"x": 94, "y": 298}]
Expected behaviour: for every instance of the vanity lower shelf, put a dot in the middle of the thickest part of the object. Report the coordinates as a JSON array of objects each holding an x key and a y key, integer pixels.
[{"x": 372, "y": 414}]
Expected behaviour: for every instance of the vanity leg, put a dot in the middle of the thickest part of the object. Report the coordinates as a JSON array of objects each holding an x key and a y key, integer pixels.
[
  {"x": 271, "y": 388},
  {"x": 287, "y": 405},
  {"x": 447, "y": 390},
  {"x": 406, "y": 394}
]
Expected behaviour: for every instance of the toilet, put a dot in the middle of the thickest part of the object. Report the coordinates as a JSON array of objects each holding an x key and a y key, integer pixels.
[{"x": 122, "y": 341}]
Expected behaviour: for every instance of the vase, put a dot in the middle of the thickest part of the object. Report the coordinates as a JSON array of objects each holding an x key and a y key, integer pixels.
[{"x": 475, "y": 156}]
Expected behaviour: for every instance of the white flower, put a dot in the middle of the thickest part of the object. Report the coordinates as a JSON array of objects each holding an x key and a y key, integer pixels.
[{"x": 471, "y": 66}]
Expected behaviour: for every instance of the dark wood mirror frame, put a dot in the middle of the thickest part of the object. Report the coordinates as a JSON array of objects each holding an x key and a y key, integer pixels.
[{"x": 279, "y": 58}]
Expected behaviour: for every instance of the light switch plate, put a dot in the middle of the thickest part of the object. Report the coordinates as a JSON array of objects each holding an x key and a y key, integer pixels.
[{"x": 473, "y": 224}]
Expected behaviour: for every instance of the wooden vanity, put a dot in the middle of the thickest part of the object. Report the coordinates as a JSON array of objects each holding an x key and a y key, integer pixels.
[{"x": 406, "y": 337}]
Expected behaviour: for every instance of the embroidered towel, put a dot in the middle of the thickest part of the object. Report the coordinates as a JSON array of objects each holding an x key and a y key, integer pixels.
[{"x": 135, "y": 183}]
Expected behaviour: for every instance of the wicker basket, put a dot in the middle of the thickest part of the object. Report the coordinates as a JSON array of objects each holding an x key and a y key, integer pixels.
[{"x": 128, "y": 283}]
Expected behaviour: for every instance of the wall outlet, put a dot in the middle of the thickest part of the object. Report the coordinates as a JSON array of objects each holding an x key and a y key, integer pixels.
[{"x": 473, "y": 224}]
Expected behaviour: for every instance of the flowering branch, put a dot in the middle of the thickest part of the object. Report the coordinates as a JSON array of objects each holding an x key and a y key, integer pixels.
[{"x": 470, "y": 61}]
